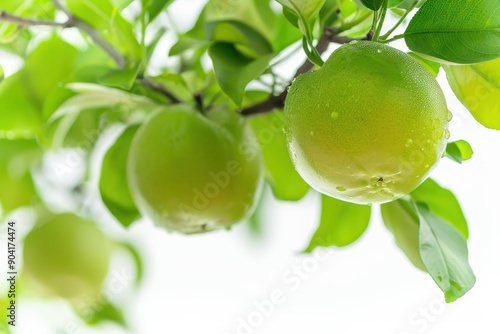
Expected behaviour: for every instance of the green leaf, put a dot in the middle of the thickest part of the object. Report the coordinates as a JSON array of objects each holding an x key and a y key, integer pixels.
[
  {"x": 96, "y": 96},
  {"x": 403, "y": 222},
  {"x": 106, "y": 312},
  {"x": 478, "y": 88},
  {"x": 444, "y": 252},
  {"x": 16, "y": 160},
  {"x": 175, "y": 83},
  {"x": 106, "y": 18},
  {"x": 470, "y": 33},
  {"x": 430, "y": 65},
  {"x": 285, "y": 182},
  {"x": 256, "y": 220},
  {"x": 26, "y": 121},
  {"x": 234, "y": 71},
  {"x": 373, "y": 4},
  {"x": 404, "y": 4},
  {"x": 459, "y": 151},
  {"x": 136, "y": 257},
  {"x": 341, "y": 223},
  {"x": 119, "y": 78},
  {"x": 305, "y": 8},
  {"x": 49, "y": 65},
  {"x": 155, "y": 7},
  {"x": 443, "y": 203},
  {"x": 27, "y": 91},
  {"x": 247, "y": 22},
  {"x": 113, "y": 183},
  {"x": 36, "y": 9}
]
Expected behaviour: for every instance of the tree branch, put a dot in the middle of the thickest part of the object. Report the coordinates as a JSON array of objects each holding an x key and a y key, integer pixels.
[
  {"x": 330, "y": 35},
  {"x": 151, "y": 84},
  {"x": 25, "y": 22},
  {"x": 77, "y": 23},
  {"x": 74, "y": 22}
]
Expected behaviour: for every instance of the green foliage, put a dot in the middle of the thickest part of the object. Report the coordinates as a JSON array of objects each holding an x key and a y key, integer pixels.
[
  {"x": 105, "y": 16},
  {"x": 373, "y": 4},
  {"x": 67, "y": 92},
  {"x": 478, "y": 88},
  {"x": 27, "y": 91},
  {"x": 443, "y": 203},
  {"x": 431, "y": 244},
  {"x": 234, "y": 70},
  {"x": 468, "y": 35},
  {"x": 16, "y": 160},
  {"x": 285, "y": 182},
  {"x": 402, "y": 221},
  {"x": 432, "y": 66},
  {"x": 459, "y": 151},
  {"x": 444, "y": 252},
  {"x": 113, "y": 183},
  {"x": 341, "y": 223}
]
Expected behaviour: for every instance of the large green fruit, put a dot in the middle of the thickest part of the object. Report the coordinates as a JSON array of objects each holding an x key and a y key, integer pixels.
[
  {"x": 367, "y": 127},
  {"x": 193, "y": 173},
  {"x": 67, "y": 256}
]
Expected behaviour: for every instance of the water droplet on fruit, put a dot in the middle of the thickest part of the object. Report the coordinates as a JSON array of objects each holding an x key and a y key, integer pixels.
[
  {"x": 408, "y": 143},
  {"x": 426, "y": 166},
  {"x": 417, "y": 176},
  {"x": 450, "y": 116},
  {"x": 340, "y": 188},
  {"x": 311, "y": 133},
  {"x": 447, "y": 133},
  {"x": 379, "y": 51},
  {"x": 334, "y": 115}
]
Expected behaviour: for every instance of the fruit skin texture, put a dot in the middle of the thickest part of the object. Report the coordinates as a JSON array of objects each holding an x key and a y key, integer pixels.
[
  {"x": 192, "y": 173},
  {"x": 67, "y": 256},
  {"x": 369, "y": 126}
]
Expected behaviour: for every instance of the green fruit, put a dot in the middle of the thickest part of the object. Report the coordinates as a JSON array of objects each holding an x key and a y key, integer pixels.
[
  {"x": 367, "y": 127},
  {"x": 192, "y": 173},
  {"x": 285, "y": 182},
  {"x": 67, "y": 256},
  {"x": 478, "y": 88}
]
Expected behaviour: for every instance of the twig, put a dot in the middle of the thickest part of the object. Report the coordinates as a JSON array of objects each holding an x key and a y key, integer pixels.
[
  {"x": 25, "y": 22},
  {"x": 278, "y": 101},
  {"x": 150, "y": 83},
  {"x": 77, "y": 23},
  {"x": 74, "y": 22}
]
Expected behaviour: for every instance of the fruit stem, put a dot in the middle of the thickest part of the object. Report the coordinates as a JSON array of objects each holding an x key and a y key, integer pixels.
[
  {"x": 395, "y": 38},
  {"x": 401, "y": 20},
  {"x": 381, "y": 21},
  {"x": 198, "y": 98}
]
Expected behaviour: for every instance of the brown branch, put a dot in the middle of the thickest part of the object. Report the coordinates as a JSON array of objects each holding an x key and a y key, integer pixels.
[
  {"x": 151, "y": 84},
  {"x": 330, "y": 35},
  {"x": 74, "y": 22},
  {"x": 94, "y": 35},
  {"x": 26, "y": 22}
]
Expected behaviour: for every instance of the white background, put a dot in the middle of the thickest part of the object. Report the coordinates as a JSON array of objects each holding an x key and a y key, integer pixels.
[{"x": 211, "y": 283}]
